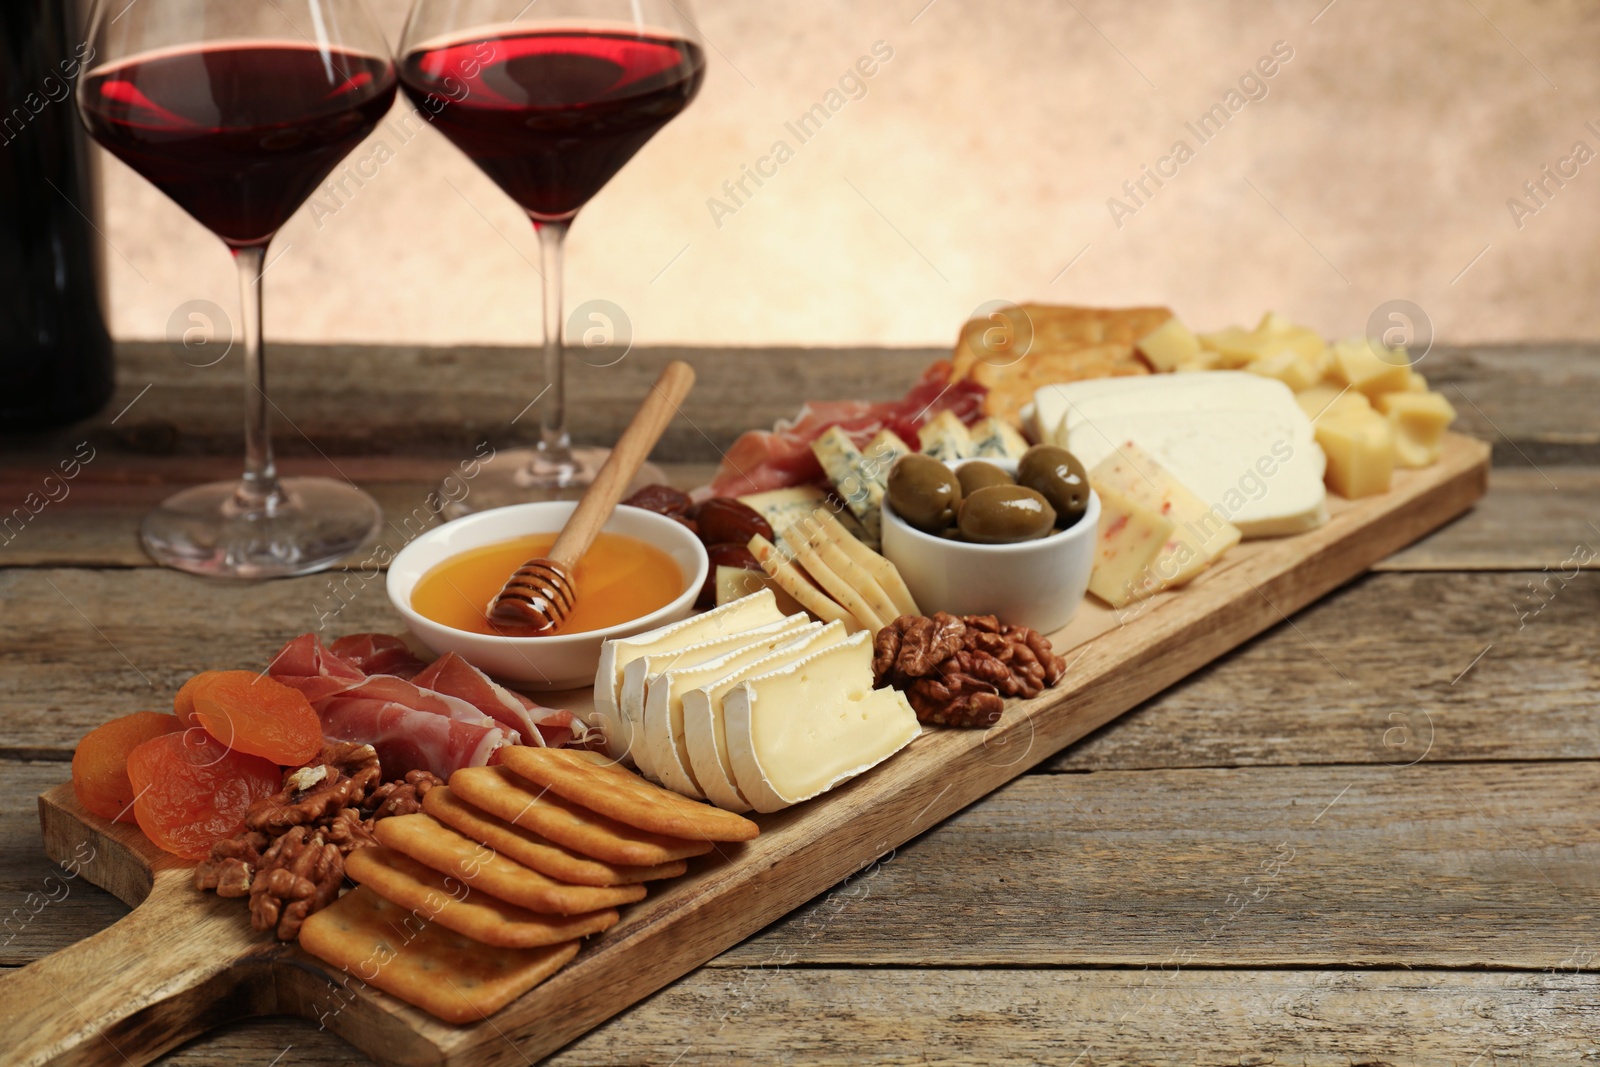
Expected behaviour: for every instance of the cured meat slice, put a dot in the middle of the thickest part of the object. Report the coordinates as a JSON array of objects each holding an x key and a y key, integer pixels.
[
  {"x": 775, "y": 459},
  {"x": 538, "y": 725},
  {"x": 409, "y": 740},
  {"x": 378, "y": 654},
  {"x": 312, "y": 669}
]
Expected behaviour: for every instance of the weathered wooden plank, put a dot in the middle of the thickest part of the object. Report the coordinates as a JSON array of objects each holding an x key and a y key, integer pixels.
[
  {"x": 1533, "y": 400},
  {"x": 1398, "y": 639},
  {"x": 96, "y": 523},
  {"x": 1454, "y": 865},
  {"x": 1007, "y": 1016}
]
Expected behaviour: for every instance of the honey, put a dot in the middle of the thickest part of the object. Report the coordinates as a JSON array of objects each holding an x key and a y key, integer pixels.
[{"x": 619, "y": 579}]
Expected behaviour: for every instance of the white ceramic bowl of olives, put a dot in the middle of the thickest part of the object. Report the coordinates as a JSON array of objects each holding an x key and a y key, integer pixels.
[{"x": 1024, "y": 557}]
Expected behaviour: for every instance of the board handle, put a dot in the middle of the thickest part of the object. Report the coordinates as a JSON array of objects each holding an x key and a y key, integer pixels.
[{"x": 149, "y": 982}]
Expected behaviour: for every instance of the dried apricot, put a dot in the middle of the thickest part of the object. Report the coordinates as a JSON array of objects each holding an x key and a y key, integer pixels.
[
  {"x": 183, "y": 700},
  {"x": 100, "y": 763},
  {"x": 191, "y": 790},
  {"x": 254, "y": 713}
]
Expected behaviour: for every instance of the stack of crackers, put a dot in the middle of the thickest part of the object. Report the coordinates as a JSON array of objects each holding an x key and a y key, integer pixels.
[
  {"x": 1019, "y": 350},
  {"x": 488, "y": 891}
]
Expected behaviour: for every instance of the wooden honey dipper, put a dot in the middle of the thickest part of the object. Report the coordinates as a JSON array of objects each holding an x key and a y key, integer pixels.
[{"x": 541, "y": 594}]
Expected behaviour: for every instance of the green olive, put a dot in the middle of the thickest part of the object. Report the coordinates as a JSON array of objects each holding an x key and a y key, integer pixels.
[
  {"x": 1002, "y": 514},
  {"x": 976, "y": 474},
  {"x": 1060, "y": 478},
  {"x": 924, "y": 492}
]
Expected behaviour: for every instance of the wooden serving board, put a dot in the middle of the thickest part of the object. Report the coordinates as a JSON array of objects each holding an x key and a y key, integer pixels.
[{"x": 183, "y": 961}]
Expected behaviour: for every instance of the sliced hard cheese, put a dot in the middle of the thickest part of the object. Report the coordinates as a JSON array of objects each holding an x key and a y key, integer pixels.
[
  {"x": 838, "y": 586},
  {"x": 1360, "y": 451},
  {"x": 1419, "y": 421},
  {"x": 885, "y": 574},
  {"x": 705, "y": 731},
  {"x": 1199, "y": 534},
  {"x": 736, "y": 582},
  {"x": 755, "y": 610},
  {"x": 663, "y": 702},
  {"x": 1130, "y": 540},
  {"x": 801, "y": 730},
  {"x": 640, "y": 669},
  {"x": 781, "y": 569}
]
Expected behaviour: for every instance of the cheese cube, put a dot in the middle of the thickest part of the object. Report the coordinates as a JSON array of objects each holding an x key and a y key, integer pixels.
[
  {"x": 1370, "y": 367},
  {"x": 945, "y": 438},
  {"x": 801, "y": 730},
  {"x": 1169, "y": 345},
  {"x": 1235, "y": 347},
  {"x": 1289, "y": 367},
  {"x": 1419, "y": 421},
  {"x": 1360, "y": 450},
  {"x": 1130, "y": 540},
  {"x": 1329, "y": 400},
  {"x": 1200, "y": 534},
  {"x": 1304, "y": 340},
  {"x": 995, "y": 436}
]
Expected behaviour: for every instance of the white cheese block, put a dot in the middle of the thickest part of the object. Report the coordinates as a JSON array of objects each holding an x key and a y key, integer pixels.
[
  {"x": 757, "y": 609},
  {"x": 1237, "y": 440},
  {"x": 639, "y": 671},
  {"x": 663, "y": 701},
  {"x": 799, "y": 731},
  {"x": 705, "y": 731}
]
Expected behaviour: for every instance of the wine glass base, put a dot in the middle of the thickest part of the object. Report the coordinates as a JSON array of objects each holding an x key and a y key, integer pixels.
[
  {"x": 315, "y": 523},
  {"x": 521, "y": 475}
]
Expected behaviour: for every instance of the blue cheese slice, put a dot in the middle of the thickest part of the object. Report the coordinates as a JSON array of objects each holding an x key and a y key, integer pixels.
[
  {"x": 705, "y": 732},
  {"x": 757, "y": 609},
  {"x": 945, "y": 438},
  {"x": 859, "y": 478},
  {"x": 996, "y": 438},
  {"x": 663, "y": 701},
  {"x": 797, "y": 732}
]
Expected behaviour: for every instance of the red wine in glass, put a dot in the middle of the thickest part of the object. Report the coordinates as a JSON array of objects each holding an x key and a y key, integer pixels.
[
  {"x": 552, "y": 115},
  {"x": 236, "y": 109},
  {"x": 237, "y": 133},
  {"x": 550, "y": 100}
]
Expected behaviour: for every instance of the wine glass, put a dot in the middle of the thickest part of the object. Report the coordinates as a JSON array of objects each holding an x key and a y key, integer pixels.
[
  {"x": 237, "y": 109},
  {"x": 549, "y": 99}
]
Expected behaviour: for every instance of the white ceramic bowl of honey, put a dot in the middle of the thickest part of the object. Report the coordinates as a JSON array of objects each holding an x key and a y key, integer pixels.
[{"x": 643, "y": 571}]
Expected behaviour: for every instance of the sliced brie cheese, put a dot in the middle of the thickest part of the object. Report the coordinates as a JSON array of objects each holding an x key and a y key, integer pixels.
[
  {"x": 757, "y": 609},
  {"x": 1237, "y": 440},
  {"x": 663, "y": 701},
  {"x": 801, "y": 730},
  {"x": 640, "y": 670},
  {"x": 705, "y": 731}
]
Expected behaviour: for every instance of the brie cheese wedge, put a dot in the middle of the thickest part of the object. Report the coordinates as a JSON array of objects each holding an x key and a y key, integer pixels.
[
  {"x": 799, "y": 731},
  {"x": 757, "y": 609},
  {"x": 639, "y": 671},
  {"x": 664, "y": 748},
  {"x": 705, "y": 731}
]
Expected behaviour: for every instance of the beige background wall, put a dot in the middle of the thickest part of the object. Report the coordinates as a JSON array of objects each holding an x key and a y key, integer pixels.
[{"x": 978, "y": 167}]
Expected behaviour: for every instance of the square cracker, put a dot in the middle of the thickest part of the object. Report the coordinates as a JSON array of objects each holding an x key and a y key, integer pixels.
[
  {"x": 428, "y": 841},
  {"x": 602, "y": 785},
  {"x": 501, "y": 792},
  {"x": 437, "y": 898},
  {"x": 449, "y": 976},
  {"x": 531, "y": 850}
]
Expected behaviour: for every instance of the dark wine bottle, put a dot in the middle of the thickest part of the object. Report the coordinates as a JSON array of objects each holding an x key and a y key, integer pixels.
[{"x": 55, "y": 348}]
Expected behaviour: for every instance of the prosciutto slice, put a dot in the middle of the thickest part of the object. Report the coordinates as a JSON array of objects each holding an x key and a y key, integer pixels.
[
  {"x": 411, "y": 727},
  {"x": 538, "y": 725},
  {"x": 782, "y": 457},
  {"x": 378, "y": 654}
]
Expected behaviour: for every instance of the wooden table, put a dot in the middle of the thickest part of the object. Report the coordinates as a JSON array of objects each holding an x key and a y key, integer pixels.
[{"x": 1367, "y": 836}]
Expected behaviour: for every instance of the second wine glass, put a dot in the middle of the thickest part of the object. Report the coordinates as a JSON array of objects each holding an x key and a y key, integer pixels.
[{"x": 549, "y": 100}]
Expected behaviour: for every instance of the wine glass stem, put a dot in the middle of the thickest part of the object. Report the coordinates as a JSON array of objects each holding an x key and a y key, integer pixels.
[
  {"x": 553, "y": 439},
  {"x": 259, "y": 490}
]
